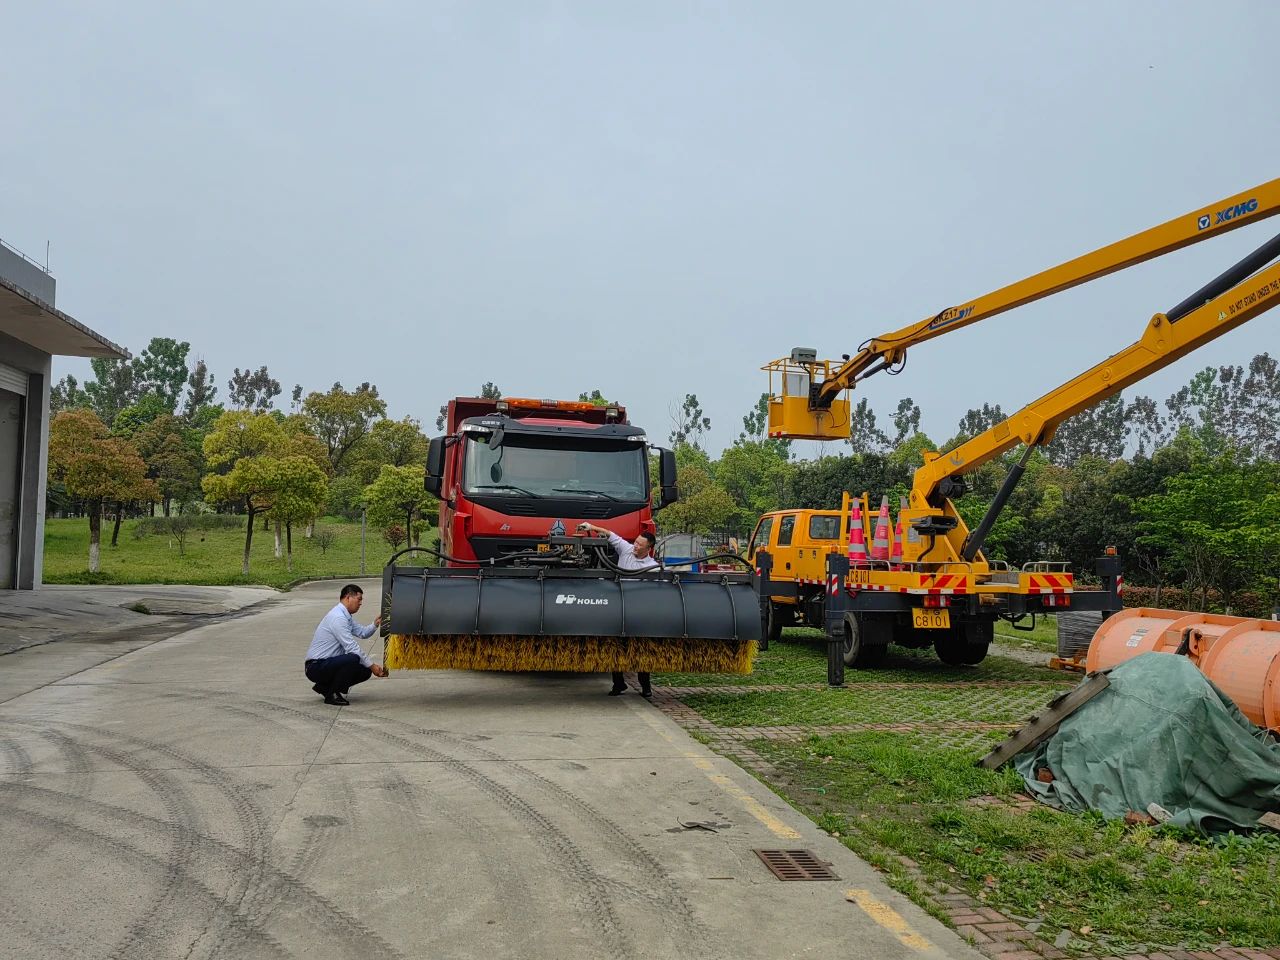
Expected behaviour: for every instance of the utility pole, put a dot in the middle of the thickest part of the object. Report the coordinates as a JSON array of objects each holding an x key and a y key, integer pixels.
[{"x": 363, "y": 513}]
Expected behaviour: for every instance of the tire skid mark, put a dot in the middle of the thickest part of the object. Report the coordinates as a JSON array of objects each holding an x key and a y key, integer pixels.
[
  {"x": 192, "y": 886},
  {"x": 21, "y": 759},
  {"x": 257, "y": 886},
  {"x": 179, "y": 811},
  {"x": 506, "y": 879},
  {"x": 321, "y": 913},
  {"x": 510, "y": 886},
  {"x": 248, "y": 815},
  {"x": 670, "y": 899},
  {"x": 562, "y": 852}
]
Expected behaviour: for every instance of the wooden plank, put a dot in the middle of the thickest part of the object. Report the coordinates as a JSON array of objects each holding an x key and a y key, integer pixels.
[{"x": 1043, "y": 725}]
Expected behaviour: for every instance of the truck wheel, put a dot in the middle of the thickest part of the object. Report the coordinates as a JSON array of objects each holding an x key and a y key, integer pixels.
[
  {"x": 776, "y": 618},
  {"x": 858, "y": 653},
  {"x": 964, "y": 645}
]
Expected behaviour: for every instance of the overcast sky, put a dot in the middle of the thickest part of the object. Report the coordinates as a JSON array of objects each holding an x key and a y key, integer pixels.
[{"x": 650, "y": 198}]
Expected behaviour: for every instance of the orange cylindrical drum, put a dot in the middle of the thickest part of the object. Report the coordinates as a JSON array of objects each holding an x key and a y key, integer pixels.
[
  {"x": 1245, "y": 664},
  {"x": 1130, "y": 632}
]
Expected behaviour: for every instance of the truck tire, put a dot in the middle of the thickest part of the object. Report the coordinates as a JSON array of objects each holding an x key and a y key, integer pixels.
[
  {"x": 778, "y": 616},
  {"x": 857, "y": 652},
  {"x": 964, "y": 646}
]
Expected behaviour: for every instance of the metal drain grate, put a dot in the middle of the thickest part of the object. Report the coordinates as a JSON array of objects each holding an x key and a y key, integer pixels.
[{"x": 796, "y": 865}]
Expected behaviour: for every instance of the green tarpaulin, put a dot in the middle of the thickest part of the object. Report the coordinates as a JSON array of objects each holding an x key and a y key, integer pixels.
[{"x": 1160, "y": 733}]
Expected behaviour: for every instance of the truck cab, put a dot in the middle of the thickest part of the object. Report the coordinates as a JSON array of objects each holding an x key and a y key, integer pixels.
[
  {"x": 799, "y": 542},
  {"x": 514, "y": 471}
]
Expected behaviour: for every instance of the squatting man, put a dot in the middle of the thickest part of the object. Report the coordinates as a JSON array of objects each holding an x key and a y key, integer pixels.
[{"x": 335, "y": 662}]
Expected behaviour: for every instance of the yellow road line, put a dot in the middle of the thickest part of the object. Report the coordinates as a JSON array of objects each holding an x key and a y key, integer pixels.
[
  {"x": 888, "y": 918},
  {"x": 752, "y": 805}
]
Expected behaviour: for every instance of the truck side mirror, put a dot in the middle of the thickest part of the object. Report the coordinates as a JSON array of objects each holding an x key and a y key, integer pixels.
[
  {"x": 667, "y": 478},
  {"x": 435, "y": 467}
]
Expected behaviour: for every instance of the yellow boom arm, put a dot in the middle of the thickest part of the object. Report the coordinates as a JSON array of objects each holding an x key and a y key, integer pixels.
[
  {"x": 890, "y": 349},
  {"x": 810, "y": 403}
]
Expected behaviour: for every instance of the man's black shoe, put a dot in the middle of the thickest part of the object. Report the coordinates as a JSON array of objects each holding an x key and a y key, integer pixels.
[
  {"x": 647, "y": 694},
  {"x": 342, "y": 700},
  {"x": 319, "y": 689},
  {"x": 336, "y": 699},
  {"x": 618, "y": 691}
]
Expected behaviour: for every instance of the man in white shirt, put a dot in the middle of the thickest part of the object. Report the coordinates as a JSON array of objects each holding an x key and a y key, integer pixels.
[
  {"x": 335, "y": 663},
  {"x": 637, "y": 555}
]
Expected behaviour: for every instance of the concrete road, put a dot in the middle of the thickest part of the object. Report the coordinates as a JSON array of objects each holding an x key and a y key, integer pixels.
[{"x": 194, "y": 798}]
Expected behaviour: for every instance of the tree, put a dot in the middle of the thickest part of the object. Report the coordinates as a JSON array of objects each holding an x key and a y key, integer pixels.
[
  {"x": 1221, "y": 520},
  {"x": 173, "y": 457},
  {"x": 397, "y": 495},
  {"x": 178, "y": 527},
  {"x": 688, "y": 422},
  {"x": 297, "y": 490},
  {"x": 324, "y": 539},
  {"x": 395, "y": 442},
  {"x": 595, "y": 398},
  {"x": 137, "y": 415},
  {"x": 906, "y": 421},
  {"x": 818, "y": 484},
  {"x": 703, "y": 506},
  {"x": 112, "y": 388},
  {"x": 252, "y": 389},
  {"x": 755, "y": 428},
  {"x": 1146, "y": 425},
  {"x": 239, "y": 445},
  {"x": 394, "y": 535},
  {"x": 864, "y": 435},
  {"x": 1099, "y": 431},
  {"x": 201, "y": 393},
  {"x": 66, "y": 395},
  {"x": 161, "y": 369},
  {"x": 975, "y": 422},
  {"x": 95, "y": 468},
  {"x": 756, "y": 475},
  {"x": 1232, "y": 411},
  {"x": 341, "y": 418}
]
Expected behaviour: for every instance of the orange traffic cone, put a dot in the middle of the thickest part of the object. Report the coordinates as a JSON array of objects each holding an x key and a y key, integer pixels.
[
  {"x": 857, "y": 538},
  {"x": 895, "y": 555},
  {"x": 880, "y": 540}
]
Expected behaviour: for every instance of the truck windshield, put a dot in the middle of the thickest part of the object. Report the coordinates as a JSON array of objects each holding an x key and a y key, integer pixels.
[{"x": 557, "y": 468}]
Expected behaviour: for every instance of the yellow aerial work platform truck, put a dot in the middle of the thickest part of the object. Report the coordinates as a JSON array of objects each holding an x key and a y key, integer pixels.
[{"x": 943, "y": 591}]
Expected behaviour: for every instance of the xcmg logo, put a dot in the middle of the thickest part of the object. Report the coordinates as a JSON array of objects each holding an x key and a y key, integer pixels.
[
  {"x": 1227, "y": 214},
  {"x": 580, "y": 601}
]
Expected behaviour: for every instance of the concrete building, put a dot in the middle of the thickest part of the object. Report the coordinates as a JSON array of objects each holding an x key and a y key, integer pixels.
[{"x": 32, "y": 332}]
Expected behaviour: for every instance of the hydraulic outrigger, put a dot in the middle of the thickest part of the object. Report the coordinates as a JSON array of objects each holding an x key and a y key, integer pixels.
[{"x": 875, "y": 601}]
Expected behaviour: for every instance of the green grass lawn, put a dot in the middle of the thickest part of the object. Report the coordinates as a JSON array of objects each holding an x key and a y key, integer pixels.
[
  {"x": 801, "y": 658},
  {"x": 917, "y": 793},
  {"x": 1044, "y": 636},
  {"x": 209, "y": 557}
]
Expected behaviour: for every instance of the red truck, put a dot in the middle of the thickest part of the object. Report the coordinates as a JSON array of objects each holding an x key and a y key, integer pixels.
[
  {"x": 513, "y": 472},
  {"x": 518, "y": 589}
]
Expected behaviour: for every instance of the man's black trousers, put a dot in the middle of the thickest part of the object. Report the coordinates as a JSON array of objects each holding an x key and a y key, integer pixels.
[{"x": 337, "y": 674}]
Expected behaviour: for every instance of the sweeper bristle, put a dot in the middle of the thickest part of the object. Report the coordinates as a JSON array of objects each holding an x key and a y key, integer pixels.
[{"x": 512, "y": 653}]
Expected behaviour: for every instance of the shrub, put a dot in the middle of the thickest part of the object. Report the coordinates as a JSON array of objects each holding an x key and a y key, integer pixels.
[{"x": 1244, "y": 603}]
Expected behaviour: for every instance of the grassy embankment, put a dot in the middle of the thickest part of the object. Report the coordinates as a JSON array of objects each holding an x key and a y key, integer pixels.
[
  {"x": 209, "y": 557},
  {"x": 913, "y": 791}
]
